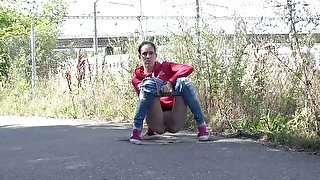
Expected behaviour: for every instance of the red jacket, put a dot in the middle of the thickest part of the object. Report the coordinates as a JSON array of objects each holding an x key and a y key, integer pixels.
[{"x": 166, "y": 71}]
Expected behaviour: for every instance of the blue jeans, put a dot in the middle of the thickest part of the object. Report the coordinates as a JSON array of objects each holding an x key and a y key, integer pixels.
[{"x": 184, "y": 87}]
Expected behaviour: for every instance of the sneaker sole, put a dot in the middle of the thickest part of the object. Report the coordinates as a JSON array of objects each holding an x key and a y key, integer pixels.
[
  {"x": 134, "y": 141},
  {"x": 203, "y": 138}
]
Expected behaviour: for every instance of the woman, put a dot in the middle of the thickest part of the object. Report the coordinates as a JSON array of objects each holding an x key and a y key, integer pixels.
[{"x": 153, "y": 78}]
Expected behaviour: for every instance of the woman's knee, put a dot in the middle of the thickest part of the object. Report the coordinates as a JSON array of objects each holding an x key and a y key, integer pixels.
[
  {"x": 183, "y": 83},
  {"x": 148, "y": 86}
]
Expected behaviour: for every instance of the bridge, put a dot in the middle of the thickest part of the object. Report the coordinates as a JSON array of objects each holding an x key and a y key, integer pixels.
[
  {"x": 119, "y": 41},
  {"x": 81, "y": 42}
]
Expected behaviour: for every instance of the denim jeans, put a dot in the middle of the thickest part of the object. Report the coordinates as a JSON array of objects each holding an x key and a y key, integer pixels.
[{"x": 184, "y": 87}]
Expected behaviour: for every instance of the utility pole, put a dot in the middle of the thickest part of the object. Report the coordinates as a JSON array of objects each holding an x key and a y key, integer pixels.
[
  {"x": 140, "y": 22},
  {"x": 33, "y": 58},
  {"x": 95, "y": 38}
]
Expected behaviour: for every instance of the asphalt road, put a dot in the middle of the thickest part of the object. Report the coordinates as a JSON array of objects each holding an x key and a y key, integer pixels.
[{"x": 40, "y": 148}]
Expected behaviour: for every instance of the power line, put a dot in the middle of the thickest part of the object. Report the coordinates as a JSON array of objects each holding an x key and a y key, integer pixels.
[
  {"x": 129, "y": 17},
  {"x": 183, "y": 17},
  {"x": 167, "y": 17}
]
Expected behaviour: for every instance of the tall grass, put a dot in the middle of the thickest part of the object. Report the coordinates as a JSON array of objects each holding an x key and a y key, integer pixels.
[{"x": 242, "y": 90}]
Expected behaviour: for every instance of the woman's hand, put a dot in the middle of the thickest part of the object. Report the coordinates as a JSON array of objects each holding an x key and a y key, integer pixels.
[{"x": 167, "y": 88}]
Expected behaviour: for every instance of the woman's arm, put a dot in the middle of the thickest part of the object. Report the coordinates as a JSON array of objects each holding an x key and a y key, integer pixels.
[
  {"x": 136, "y": 82},
  {"x": 180, "y": 70}
]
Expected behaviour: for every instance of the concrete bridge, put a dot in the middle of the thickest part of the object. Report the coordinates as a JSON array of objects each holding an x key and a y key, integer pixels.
[{"x": 87, "y": 42}]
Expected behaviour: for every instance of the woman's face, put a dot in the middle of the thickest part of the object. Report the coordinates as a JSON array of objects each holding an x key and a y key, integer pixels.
[{"x": 148, "y": 56}]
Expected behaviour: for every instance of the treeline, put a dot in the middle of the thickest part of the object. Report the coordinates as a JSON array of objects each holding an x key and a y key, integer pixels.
[{"x": 16, "y": 18}]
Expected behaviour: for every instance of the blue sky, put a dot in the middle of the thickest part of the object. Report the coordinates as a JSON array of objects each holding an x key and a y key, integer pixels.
[{"x": 209, "y": 8}]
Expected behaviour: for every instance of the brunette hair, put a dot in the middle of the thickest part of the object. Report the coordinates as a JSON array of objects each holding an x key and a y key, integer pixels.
[{"x": 147, "y": 42}]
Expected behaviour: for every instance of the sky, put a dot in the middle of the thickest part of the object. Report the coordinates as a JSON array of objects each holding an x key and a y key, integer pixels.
[{"x": 211, "y": 11}]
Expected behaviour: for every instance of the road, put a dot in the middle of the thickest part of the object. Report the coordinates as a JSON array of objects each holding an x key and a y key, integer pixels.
[{"x": 42, "y": 148}]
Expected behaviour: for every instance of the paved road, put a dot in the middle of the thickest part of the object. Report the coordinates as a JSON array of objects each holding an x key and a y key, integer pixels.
[{"x": 39, "y": 148}]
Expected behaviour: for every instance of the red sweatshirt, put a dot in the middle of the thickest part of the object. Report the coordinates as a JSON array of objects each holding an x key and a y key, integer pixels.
[{"x": 166, "y": 71}]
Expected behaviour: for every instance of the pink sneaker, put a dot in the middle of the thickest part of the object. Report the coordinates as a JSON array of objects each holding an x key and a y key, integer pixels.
[
  {"x": 149, "y": 132},
  {"x": 203, "y": 134},
  {"x": 135, "y": 136}
]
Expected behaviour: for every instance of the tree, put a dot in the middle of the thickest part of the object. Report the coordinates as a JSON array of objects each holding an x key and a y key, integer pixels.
[
  {"x": 15, "y": 19},
  {"x": 11, "y": 24}
]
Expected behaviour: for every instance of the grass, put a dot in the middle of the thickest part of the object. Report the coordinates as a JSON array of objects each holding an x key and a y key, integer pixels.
[{"x": 246, "y": 94}]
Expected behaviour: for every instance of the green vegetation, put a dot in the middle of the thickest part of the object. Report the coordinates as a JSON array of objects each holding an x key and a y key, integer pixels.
[{"x": 243, "y": 92}]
